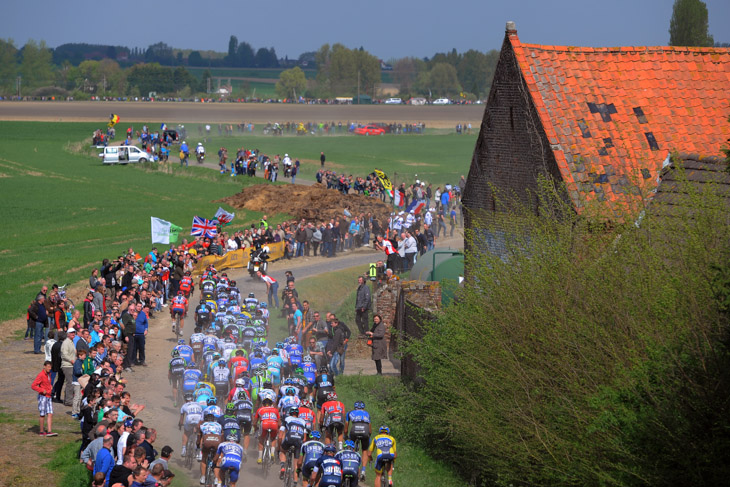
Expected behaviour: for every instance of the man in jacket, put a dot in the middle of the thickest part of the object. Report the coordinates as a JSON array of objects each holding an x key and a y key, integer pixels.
[
  {"x": 337, "y": 345},
  {"x": 129, "y": 326},
  {"x": 140, "y": 333},
  {"x": 39, "y": 315},
  {"x": 42, "y": 385},
  {"x": 362, "y": 306},
  {"x": 68, "y": 357}
]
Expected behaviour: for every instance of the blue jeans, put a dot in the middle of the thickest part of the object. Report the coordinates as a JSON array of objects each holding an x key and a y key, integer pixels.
[
  {"x": 38, "y": 337},
  {"x": 300, "y": 249},
  {"x": 342, "y": 360},
  {"x": 333, "y": 362},
  {"x": 274, "y": 291}
]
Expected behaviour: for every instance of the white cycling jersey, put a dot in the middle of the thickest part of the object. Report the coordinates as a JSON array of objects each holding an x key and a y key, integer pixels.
[{"x": 193, "y": 413}]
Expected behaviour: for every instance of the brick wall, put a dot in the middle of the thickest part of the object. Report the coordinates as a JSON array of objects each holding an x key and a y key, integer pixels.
[{"x": 511, "y": 152}]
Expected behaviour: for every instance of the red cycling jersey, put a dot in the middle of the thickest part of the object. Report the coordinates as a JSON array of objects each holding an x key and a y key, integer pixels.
[
  {"x": 269, "y": 417},
  {"x": 332, "y": 407}
]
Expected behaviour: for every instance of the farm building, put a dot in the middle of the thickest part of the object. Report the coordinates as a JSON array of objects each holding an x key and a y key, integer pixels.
[{"x": 600, "y": 121}]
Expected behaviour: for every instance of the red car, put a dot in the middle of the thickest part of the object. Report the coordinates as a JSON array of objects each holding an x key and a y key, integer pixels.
[{"x": 369, "y": 130}]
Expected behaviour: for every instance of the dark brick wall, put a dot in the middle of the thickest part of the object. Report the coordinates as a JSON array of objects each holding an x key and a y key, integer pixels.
[{"x": 511, "y": 152}]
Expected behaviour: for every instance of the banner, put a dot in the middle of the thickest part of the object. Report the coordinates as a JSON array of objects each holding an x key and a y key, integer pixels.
[
  {"x": 387, "y": 185},
  {"x": 163, "y": 231},
  {"x": 236, "y": 259},
  {"x": 223, "y": 217}
]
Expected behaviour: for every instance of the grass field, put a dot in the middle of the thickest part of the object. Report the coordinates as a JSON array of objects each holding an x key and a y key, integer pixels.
[
  {"x": 64, "y": 212},
  {"x": 435, "y": 157}
]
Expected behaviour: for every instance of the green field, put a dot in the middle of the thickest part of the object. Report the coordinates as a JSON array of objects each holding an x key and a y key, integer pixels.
[
  {"x": 436, "y": 157},
  {"x": 63, "y": 212}
]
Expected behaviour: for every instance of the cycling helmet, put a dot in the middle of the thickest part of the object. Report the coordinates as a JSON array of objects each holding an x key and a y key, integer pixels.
[
  {"x": 240, "y": 382},
  {"x": 331, "y": 396},
  {"x": 221, "y": 363},
  {"x": 232, "y": 436},
  {"x": 209, "y": 416},
  {"x": 233, "y": 283},
  {"x": 230, "y": 407},
  {"x": 211, "y": 329},
  {"x": 307, "y": 359},
  {"x": 216, "y": 355},
  {"x": 263, "y": 304},
  {"x": 323, "y": 369},
  {"x": 241, "y": 396},
  {"x": 294, "y": 411},
  {"x": 274, "y": 351},
  {"x": 191, "y": 365},
  {"x": 175, "y": 353},
  {"x": 307, "y": 404},
  {"x": 267, "y": 401},
  {"x": 316, "y": 435},
  {"x": 350, "y": 444},
  {"x": 299, "y": 371},
  {"x": 212, "y": 401},
  {"x": 179, "y": 292},
  {"x": 199, "y": 144},
  {"x": 288, "y": 381},
  {"x": 188, "y": 396},
  {"x": 202, "y": 300},
  {"x": 181, "y": 342},
  {"x": 384, "y": 429},
  {"x": 330, "y": 449},
  {"x": 359, "y": 405},
  {"x": 228, "y": 339},
  {"x": 251, "y": 295},
  {"x": 290, "y": 391}
]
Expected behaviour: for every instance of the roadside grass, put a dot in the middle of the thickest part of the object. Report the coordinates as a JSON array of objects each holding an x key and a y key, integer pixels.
[
  {"x": 65, "y": 464},
  {"x": 63, "y": 212},
  {"x": 435, "y": 157}
]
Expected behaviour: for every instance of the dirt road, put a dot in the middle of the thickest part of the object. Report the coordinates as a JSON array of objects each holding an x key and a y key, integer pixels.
[{"x": 446, "y": 116}]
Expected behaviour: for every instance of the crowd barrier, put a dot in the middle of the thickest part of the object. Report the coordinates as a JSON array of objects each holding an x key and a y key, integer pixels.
[{"x": 236, "y": 259}]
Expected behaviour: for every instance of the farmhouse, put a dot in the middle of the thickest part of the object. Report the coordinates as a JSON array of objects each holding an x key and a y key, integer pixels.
[{"x": 601, "y": 122}]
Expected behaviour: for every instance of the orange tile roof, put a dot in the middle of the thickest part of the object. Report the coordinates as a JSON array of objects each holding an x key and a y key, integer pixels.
[{"x": 612, "y": 115}]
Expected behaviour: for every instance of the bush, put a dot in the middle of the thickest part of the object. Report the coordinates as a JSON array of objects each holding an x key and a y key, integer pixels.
[{"x": 590, "y": 354}]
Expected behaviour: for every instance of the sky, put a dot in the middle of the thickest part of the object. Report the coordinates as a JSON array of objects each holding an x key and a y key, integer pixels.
[{"x": 387, "y": 29}]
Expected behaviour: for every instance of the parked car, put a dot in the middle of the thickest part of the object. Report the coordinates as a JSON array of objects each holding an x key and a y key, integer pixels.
[
  {"x": 123, "y": 154},
  {"x": 442, "y": 101},
  {"x": 393, "y": 101},
  {"x": 369, "y": 130}
]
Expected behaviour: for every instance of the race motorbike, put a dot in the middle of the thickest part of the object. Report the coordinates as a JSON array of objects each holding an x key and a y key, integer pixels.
[
  {"x": 200, "y": 156},
  {"x": 258, "y": 260}
]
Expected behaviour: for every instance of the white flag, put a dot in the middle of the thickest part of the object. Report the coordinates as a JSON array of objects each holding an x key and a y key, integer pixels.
[
  {"x": 160, "y": 231},
  {"x": 223, "y": 216}
]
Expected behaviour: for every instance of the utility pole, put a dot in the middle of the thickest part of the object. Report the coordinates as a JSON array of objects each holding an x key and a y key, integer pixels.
[{"x": 18, "y": 83}]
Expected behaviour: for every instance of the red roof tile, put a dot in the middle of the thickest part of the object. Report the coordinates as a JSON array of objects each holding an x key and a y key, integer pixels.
[{"x": 684, "y": 93}]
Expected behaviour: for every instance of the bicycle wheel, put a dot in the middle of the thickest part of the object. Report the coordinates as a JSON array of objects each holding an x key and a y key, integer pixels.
[
  {"x": 289, "y": 474},
  {"x": 177, "y": 326},
  {"x": 209, "y": 474},
  {"x": 266, "y": 463},
  {"x": 70, "y": 302}
]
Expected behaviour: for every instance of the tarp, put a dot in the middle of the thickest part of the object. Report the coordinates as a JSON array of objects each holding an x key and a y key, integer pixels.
[{"x": 236, "y": 259}]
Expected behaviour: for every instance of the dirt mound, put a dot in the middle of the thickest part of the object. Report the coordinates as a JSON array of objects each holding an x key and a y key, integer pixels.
[{"x": 313, "y": 203}]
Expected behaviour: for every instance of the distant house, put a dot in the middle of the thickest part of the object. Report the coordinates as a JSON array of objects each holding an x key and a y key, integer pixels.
[{"x": 603, "y": 121}]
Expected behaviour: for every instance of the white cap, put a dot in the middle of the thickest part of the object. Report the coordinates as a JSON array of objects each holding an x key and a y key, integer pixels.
[
  {"x": 286, "y": 155},
  {"x": 71, "y": 330}
]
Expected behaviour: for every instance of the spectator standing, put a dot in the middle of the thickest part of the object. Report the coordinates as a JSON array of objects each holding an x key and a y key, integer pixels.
[
  {"x": 376, "y": 337},
  {"x": 104, "y": 461},
  {"x": 362, "y": 306},
  {"x": 141, "y": 327},
  {"x": 39, "y": 315},
  {"x": 335, "y": 346},
  {"x": 129, "y": 326},
  {"x": 68, "y": 357},
  {"x": 42, "y": 385},
  {"x": 321, "y": 159}
]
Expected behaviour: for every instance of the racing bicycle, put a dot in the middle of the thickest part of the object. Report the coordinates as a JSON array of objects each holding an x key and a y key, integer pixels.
[
  {"x": 209, "y": 470},
  {"x": 384, "y": 472},
  {"x": 289, "y": 472},
  {"x": 176, "y": 325},
  {"x": 268, "y": 459},
  {"x": 189, "y": 451}
]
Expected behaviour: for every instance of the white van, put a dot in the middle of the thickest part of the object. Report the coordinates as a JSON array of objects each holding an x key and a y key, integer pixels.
[
  {"x": 393, "y": 101},
  {"x": 123, "y": 154},
  {"x": 442, "y": 101}
]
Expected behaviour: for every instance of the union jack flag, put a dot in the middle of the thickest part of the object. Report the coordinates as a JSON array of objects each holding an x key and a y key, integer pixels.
[{"x": 203, "y": 227}]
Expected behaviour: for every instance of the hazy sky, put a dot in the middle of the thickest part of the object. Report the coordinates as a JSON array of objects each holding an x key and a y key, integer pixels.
[{"x": 388, "y": 29}]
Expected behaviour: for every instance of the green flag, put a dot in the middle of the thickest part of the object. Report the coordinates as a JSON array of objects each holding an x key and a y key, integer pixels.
[{"x": 174, "y": 232}]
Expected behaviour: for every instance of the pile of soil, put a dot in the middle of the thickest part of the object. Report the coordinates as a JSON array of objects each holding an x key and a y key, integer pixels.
[{"x": 313, "y": 203}]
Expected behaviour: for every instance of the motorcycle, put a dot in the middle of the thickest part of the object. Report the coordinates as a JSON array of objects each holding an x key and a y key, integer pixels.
[
  {"x": 257, "y": 262},
  {"x": 200, "y": 156}
]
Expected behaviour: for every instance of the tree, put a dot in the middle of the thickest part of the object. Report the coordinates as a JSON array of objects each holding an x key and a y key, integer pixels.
[
  {"x": 476, "y": 70},
  {"x": 266, "y": 58},
  {"x": 689, "y": 24},
  {"x": 443, "y": 80},
  {"x": 292, "y": 83},
  {"x": 339, "y": 68},
  {"x": 35, "y": 67},
  {"x": 244, "y": 56},
  {"x": 230, "y": 59},
  {"x": 405, "y": 73},
  {"x": 8, "y": 66},
  {"x": 160, "y": 53},
  {"x": 195, "y": 59}
]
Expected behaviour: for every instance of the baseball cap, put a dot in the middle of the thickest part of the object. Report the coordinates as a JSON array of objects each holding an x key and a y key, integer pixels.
[
  {"x": 128, "y": 424},
  {"x": 71, "y": 330},
  {"x": 166, "y": 450}
]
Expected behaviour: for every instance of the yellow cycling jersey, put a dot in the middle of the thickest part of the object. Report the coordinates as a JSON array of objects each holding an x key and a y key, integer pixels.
[{"x": 382, "y": 444}]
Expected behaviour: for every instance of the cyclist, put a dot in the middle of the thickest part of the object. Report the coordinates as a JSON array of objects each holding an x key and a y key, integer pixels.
[
  {"x": 203, "y": 314},
  {"x": 350, "y": 461},
  {"x": 309, "y": 369},
  {"x": 358, "y": 428},
  {"x": 185, "y": 153},
  {"x": 292, "y": 433},
  {"x": 175, "y": 373},
  {"x": 332, "y": 418},
  {"x": 258, "y": 358},
  {"x": 289, "y": 402},
  {"x": 328, "y": 470},
  {"x": 323, "y": 385},
  {"x": 228, "y": 345},
  {"x": 190, "y": 415},
  {"x": 179, "y": 306},
  {"x": 213, "y": 408},
  {"x": 240, "y": 387},
  {"x": 307, "y": 414},
  {"x": 294, "y": 351},
  {"x": 274, "y": 365},
  {"x": 228, "y": 457},
  {"x": 209, "y": 437},
  {"x": 383, "y": 448},
  {"x": 257, "y": 384},
  {"x": 266, "y": 391},
  {"x": 186, "y": 284},
  {"x": 310, "y": 453},
  {"x": 186, "y": 351},
  {"x": 196, "y": 343},
  {"x": 229, "y": 421},
  {"x": 244, "y": 415},
  {"x": 211, "y": 361},
  {"x": 220, "y": 374},
  {"x": 203, "y": 392},
  {"x": 269, "y": 417},
  {"x": 299, "y": 382},
  {"x": 190, "y": 378}
]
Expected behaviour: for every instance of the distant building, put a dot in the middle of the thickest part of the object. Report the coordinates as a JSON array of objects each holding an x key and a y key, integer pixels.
[{"x": 603, "y": 121}]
